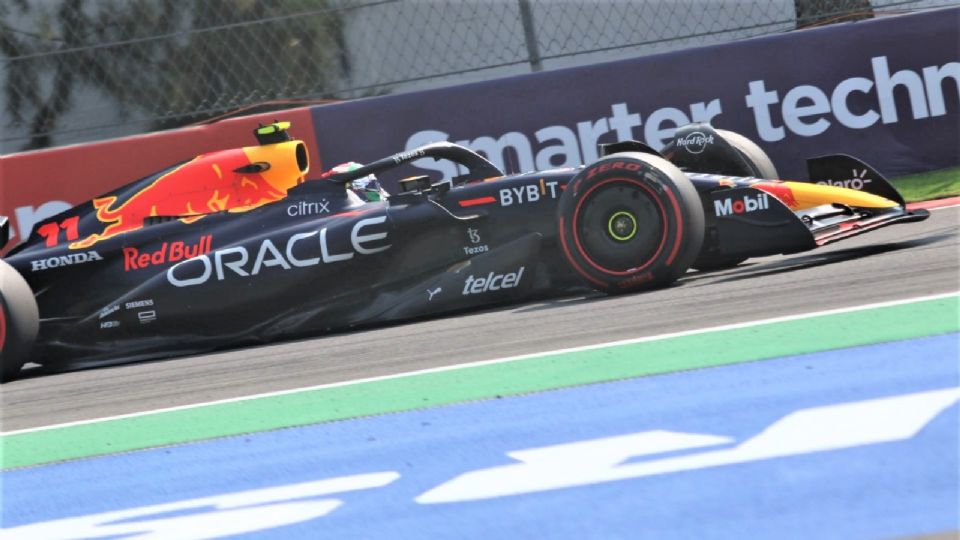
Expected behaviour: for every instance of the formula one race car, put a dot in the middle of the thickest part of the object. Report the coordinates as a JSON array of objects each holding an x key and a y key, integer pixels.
[{"x": 239, "y": 246}]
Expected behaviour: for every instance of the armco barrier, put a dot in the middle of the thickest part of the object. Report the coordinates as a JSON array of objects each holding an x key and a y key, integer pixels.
[{"x": 886, "y": 90}]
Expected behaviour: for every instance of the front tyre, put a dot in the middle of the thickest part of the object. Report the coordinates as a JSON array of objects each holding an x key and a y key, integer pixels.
[
  {"x": 761, "y": 166},
  {"x": 630, "y": 222},
  {"x": 19, "y": 321}
]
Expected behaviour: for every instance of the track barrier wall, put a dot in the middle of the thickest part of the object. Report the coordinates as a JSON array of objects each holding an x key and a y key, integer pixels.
[{"x": 885, "y": 90}]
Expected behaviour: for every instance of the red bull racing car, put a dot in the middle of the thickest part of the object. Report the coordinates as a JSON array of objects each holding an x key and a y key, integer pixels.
[{"x": 243, "y": 246}]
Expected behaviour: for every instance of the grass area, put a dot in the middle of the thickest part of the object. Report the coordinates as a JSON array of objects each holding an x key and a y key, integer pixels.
[{"x": 929, "y": 185}]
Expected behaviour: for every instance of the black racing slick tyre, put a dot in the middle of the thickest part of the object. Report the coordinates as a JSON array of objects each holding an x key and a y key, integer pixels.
[
  {"x": 758, "y": 160},
  {"x": 630, "y": 222},
  {"x": 702, "y": 148},
  {"x": 19, "y": 321}
]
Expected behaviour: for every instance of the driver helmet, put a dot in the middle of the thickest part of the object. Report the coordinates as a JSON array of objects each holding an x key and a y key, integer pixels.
[{"x": 367, "y": 188}]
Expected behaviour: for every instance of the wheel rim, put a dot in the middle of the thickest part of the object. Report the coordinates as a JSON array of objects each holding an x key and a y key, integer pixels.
[{"x": 620, "y": 226}]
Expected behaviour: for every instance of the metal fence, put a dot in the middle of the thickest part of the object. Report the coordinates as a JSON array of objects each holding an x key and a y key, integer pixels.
[{"x": 76, "y": 70}]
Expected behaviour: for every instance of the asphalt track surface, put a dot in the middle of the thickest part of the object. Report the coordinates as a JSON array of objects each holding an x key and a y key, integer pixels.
[{"x": 894, "y": 263}]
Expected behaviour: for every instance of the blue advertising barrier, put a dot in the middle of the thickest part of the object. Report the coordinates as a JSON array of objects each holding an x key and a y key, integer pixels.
[{"x": 886, "y": 90}]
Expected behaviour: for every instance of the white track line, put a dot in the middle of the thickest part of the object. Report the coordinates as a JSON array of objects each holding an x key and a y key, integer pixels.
[{"x": 495, "y": 361}]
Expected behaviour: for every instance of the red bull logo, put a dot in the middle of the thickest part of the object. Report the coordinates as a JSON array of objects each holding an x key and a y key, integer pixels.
[
  {"x": 781, "y": 191},
  {"x": 235, "y": 180},
  {"x": 134, "y": 259}
]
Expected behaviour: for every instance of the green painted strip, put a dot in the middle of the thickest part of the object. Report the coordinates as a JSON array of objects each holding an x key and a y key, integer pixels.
[{"x": 730, "y": 346}]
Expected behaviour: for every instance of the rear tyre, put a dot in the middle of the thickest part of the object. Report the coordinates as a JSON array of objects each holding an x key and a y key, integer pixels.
[
  {"x": 630, "y": 222},
  {"x": 19, "y": 321}
]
